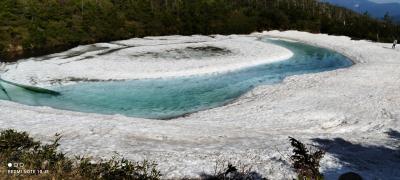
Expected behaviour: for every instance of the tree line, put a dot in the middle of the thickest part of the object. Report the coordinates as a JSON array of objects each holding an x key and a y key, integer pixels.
[{"x": 30, "y": 28}]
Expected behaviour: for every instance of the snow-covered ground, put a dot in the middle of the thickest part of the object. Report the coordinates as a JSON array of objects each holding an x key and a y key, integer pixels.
[
  {"x": 353, "y": 112},
  {"x": 151, "y": 57}
]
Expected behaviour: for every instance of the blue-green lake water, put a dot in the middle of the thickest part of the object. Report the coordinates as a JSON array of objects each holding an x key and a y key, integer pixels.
[{"x": 173, "y": 97}]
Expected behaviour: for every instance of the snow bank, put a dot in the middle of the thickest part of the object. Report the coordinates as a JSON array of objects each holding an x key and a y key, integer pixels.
[{"x": 355, "y": 112}]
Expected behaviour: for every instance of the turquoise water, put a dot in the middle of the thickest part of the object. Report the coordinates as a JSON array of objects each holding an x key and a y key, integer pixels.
[{"x": 173, "y": 97}]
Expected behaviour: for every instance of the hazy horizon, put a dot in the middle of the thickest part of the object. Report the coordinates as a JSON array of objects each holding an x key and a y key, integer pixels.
[{"x": 385, "y": 1}]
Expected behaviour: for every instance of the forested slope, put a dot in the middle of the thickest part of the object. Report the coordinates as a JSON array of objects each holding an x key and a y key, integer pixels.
[{"x": 35, "y": 27}]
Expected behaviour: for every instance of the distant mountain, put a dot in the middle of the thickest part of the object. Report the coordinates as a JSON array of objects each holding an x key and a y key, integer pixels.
[{"x": 377, "y": 10}]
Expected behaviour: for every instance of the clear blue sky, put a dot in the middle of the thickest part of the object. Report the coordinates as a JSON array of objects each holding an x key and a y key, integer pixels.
[{"x": 385, "y": 1}]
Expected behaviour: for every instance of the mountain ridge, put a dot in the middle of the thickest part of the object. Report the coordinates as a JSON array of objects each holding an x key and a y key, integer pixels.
[{"x": 377, "y": 10}]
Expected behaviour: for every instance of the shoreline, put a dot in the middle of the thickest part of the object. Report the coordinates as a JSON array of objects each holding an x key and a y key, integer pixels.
[{"x": 349, "y": 57}]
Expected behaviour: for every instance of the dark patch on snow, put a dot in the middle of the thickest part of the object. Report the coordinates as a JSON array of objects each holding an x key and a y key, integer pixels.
[
  {"x": 186, "y": 53},
  {"x": 84, "y": 58},
  {"x": 90, "y": 48},
  {"x": 113, "y": 50}
]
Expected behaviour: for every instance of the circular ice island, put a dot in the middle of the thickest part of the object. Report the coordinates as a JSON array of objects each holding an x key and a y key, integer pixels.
[{"x": 143, "y": 58}]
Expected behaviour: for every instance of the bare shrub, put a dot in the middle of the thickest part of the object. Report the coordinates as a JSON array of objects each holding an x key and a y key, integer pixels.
[{"x": 224, "y": 170}]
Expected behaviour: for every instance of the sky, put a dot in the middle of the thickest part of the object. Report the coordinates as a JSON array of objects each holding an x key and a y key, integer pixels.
[{"x": 386, "y": 1}]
